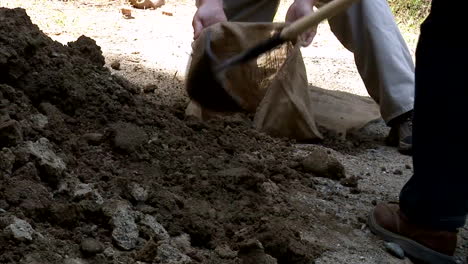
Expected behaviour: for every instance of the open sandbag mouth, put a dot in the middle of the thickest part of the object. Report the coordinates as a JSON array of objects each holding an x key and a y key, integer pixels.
[{"x": 205, "y": 84}]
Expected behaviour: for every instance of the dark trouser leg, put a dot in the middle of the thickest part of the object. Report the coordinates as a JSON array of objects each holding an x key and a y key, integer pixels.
[
  {"x": 251, "y": 10},
  {"x": 437, "y": 194}
]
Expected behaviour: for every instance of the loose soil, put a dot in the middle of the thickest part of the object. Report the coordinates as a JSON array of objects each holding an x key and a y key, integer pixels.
[{"x": 103, "y": 166}]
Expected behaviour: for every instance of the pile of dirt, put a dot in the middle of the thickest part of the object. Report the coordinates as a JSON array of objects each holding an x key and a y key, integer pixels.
[{"x": 92, "y": 171}]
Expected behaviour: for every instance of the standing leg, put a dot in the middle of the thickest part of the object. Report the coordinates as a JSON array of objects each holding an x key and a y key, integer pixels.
[
  {"x": 434, "y": 202},
  {"x": 437, "y": 194},
  {"x": 383, "y": 60}
]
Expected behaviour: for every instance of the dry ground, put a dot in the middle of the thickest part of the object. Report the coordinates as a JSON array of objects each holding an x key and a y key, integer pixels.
[{"x": 153, "y": 49}]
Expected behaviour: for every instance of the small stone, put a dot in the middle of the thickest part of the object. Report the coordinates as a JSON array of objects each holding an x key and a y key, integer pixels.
[
  {"x": 54, "y": 115},
  {"x": 2, "y": 211},
  {"x": 125, "y": 232},
  {"x": 109, "y": 252},
  {"x": 127, "y": 137},
  {"x": 85, "y": 191},
  {"x": 395, "y": 250},
  {"x": 225, "y": 252},
  {"x": 20, "y": 230},
  {"x": 39, "y": 120},
  {"x": 157, "y": 230},
  {"x": 10, "y": 134},
  {"x": 138, "y": 193},
  {"x": 270, "y": 187},
  {"x": 150, "y": 88},
  {"x": 170, "y": 255},
  {"x": 324, "y": 165},
  {"x": 253, "y": 252},
  {"x": 408, "y": 167},
  {"x": 74, "y": 261},
  {"x": 51, "y": 164},
  {"x": 115, "y": 65},
  {"x": 397, "y": 172},
  {"x": 91, "y": 247},
  {"x": 182, "y": 242},
  {"x": 82, "y": 190},
  {"x": 7, "y": 159},
  {"x": 93, "y": 138},
  {"x": 148, "y": 252},
  {"x": 350, "y": 182},
  {"x": 383, "y": 169}
]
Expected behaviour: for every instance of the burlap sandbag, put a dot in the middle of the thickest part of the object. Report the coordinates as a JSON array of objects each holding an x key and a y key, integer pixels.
[{"x": 275, "y": 86}]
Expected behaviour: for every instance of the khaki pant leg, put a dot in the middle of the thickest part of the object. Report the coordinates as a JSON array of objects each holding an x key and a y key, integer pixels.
[{"x": 383, "y": 60}]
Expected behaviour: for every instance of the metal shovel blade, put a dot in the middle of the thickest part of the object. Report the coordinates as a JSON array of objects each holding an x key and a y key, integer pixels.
[{"x": 205, "y": 82}]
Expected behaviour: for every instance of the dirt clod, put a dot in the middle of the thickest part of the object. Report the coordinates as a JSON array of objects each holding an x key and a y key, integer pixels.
[
  {"x": 128, "y": 137},
  {"x": 125, "y": 231},
  {"x": 10, "y": 133},
  {"x": 252, "y": 252},
  {"x": 350, "y": 181},
  {"x": 115, "y": 65},
  {"x": 324, "y": 165},
  {"x": 91, "y": 247},
  {"x": 20, "y": 230}
]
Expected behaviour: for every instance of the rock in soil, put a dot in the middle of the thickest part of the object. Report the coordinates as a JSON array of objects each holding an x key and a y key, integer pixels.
[
  {"x": 323, "y": 164},
  {"x": 10, "y": 134},
  {"x": 351, "y": 182},
  {"x": 20, "y": 230},
  {"x": 171, "y": 255},
  {"x": 115, "y": 65},
  {"x": 138, "y": 192},
  {"x": 51, "y": 165},
  {"x": 147, "y": 4},
  {"x": 7, "y": 159},
  {"x": 225, "y": 252},
  {"x": 75, "y": 261},
  {"x": 252, "y": 252},
  {"x": 91, "y": 247},
  {"x": 127, "y": 137},
  {"x": 93, "y": 138},
  {"x": 157, "y": 231},
  {"x": 39, "y": 120},
  {"x": 125, "y": 232},
  {"x": 148, "y": 253}
]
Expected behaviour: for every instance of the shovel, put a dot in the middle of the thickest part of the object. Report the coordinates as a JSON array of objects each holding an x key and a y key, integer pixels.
[{"x": 205, "y": 83}]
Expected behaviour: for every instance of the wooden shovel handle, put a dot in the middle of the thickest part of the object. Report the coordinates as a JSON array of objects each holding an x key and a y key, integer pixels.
[{"x": 292, "y": 31}]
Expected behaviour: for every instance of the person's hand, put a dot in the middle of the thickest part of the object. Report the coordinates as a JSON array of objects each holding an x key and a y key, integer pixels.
[
  {"x": 209, "y": 12},
  {"x": 297, "y": 10}
]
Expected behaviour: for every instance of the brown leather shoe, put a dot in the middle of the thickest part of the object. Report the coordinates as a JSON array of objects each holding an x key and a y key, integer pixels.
[{"x": 428, "y": 245}]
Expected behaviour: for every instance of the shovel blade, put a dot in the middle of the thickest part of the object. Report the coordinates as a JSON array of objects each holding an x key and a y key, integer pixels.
[{"x": 205, "y": 82}]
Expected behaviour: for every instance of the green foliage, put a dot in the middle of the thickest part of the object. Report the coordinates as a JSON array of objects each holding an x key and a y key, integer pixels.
[{"x": 410, "y": 12}]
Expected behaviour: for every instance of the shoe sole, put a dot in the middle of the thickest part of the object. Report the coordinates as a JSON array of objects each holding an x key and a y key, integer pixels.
[{"x": 410, "y": 247}]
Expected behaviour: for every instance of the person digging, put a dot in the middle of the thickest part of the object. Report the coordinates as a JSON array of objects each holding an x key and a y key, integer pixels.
[{"x": 367, "y": 29}]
